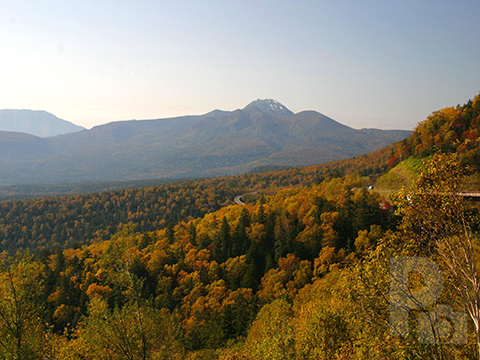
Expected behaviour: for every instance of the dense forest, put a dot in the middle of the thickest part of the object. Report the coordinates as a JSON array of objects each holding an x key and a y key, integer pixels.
[
  {"x": 82, "y": 219},
  {"x": 302, "y": 270}
]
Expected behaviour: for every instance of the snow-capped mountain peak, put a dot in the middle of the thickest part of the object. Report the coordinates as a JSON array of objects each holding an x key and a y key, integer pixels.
[{"x": 270, "y": 105}]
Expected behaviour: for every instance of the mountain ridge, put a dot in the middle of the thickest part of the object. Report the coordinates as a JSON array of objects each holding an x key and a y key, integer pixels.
[
  {"x": 263, "y": 133},
  {"x": 35, "y": 122}
]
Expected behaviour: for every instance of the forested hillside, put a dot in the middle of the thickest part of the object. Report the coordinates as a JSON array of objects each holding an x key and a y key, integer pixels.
[
  {"x": 304, "y": 272},
  {"x": 82, "y": 219},
  {"x": 452, "y": 129},
  {"x": 215, "y": 272}
]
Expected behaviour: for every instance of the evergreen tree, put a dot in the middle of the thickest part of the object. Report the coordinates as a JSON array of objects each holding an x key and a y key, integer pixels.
[
  {"x": 192, "y": 234},
  {"x": 222, "y": 245},
  {"x": 241, "y": 244},
  {"x": 170, "y": 233}
]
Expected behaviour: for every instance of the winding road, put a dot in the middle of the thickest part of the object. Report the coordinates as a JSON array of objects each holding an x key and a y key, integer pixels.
[{"x": 238, "y": 201}]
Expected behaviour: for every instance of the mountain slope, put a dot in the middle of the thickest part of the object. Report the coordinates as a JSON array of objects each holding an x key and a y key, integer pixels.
[
  {"x": 265, "y": 132},
  {"x": 16, "y": 147},
  {"x": 38, "y": 123},
  {"x": 449, "y": 130}
]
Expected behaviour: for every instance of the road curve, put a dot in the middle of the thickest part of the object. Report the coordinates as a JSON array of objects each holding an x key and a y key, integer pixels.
[{"x": 238, "y": 201}]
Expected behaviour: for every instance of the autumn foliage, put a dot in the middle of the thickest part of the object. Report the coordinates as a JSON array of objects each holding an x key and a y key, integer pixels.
[{"x": 178, "y": 271}]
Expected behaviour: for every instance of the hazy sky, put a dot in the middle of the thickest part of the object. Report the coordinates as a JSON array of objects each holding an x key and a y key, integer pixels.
[{"x": 385, "y": 64}]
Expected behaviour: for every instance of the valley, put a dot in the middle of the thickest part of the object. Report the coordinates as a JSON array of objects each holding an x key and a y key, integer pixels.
[{"x": 281, "y": 264}]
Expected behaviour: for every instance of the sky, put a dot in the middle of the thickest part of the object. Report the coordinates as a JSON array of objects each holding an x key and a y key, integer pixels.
[{"x": 368, "y": 64}]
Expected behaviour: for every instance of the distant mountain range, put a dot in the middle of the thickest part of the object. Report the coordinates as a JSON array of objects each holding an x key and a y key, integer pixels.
[
  {"x": 38, "y": 123},
  {"x": 264, "y": 133}
]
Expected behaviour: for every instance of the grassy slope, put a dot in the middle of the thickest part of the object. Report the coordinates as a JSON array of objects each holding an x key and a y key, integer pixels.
[{"x": 400, "y": 175}]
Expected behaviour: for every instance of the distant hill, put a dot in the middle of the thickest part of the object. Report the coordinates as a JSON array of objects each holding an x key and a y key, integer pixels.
[
  {"x": 263, "y": 133},
  {"x": 267, "y": 168},
  {"x": 38, "y": 123}
]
